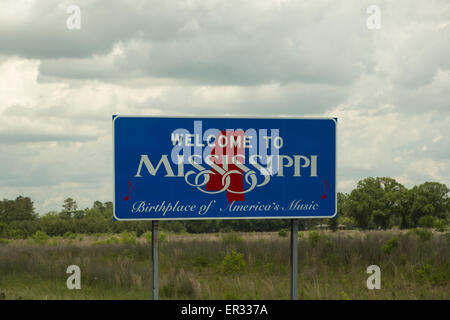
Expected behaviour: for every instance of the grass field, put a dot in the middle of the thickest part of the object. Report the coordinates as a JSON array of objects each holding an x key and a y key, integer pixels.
[{"x": 230, "y": 266}]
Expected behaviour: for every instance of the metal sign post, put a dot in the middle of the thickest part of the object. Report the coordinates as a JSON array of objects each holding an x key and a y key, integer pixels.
[
  {"x": 155, "y": 259},
  {"x": 294, "y": 259}
]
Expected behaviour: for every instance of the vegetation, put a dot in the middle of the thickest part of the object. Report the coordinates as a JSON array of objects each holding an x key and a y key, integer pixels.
[
  {"x": 204, "y": 266},
  {"x": 231, "y": 259},
  {"x": 283, "y": 233},
  {"x": 40, "y": 237},
  {"x": 233, "y": 263},
  {"x": 390, "y": 246},
  {"x": 376, "y": 203}
]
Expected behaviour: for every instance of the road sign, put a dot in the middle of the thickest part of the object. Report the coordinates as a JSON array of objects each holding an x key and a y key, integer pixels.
[{"x": 168, "y": 168}]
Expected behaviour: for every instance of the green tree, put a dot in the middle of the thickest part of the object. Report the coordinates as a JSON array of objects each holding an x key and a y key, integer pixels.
[
  {"x": 79, "y": 214},
  {"x": 429, "y": 198},
  {"x": 380, "y": 219},
  {"x": 19, "y": 209},
  {"x": 342, "y": 204},
  {"x": 375, "y": 197},
  {"x": 69, "y": 208},
  {"x": 108, "y": 205},
  {"x": 98, "y": 205}
]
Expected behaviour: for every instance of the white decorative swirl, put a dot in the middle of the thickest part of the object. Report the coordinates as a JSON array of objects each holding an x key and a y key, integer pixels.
[
  {"x": 250, "y": 178},
  {"x": 198, "y": 185}
]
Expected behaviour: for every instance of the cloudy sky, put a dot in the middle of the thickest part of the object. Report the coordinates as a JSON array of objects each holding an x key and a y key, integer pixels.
[{"x": 389, "y": 87}]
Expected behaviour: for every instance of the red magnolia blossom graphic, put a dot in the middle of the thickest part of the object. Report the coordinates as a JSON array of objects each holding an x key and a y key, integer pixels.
[{"x": 224, "y": 150}]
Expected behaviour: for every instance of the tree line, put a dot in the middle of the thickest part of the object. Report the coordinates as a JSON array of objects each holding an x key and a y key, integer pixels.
[{"x": 375, "y": 203}]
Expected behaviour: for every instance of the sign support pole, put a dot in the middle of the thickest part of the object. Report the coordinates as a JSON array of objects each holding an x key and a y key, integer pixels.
[
  {"x": 155, "y": 259},
  {"x": 294, "y": 259}
]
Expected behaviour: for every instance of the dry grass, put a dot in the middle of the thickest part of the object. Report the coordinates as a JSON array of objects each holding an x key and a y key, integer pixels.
[{"x": 191, "y": 267}]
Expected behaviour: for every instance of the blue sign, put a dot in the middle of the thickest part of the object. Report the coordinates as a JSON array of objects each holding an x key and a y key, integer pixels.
[{"x": 168, "y": 168}]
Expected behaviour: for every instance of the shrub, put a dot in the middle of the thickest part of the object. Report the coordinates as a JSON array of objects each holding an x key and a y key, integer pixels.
[
  {"x": 344, "y": 296},
  {"x": 441, "y": 225},
  {"x": 424, "y": 271},
  {"x": 162, "y": 237},
  {"x": 200, "y": 261},
  {"x": 427, "y": 221},
  {"x": 233, "y": 263},
  {"x": 69, "y": 235},
  {"x": 283, "y": 233},
  {"x": 127, "y": 237},
  {"x": 422, "y": 234},
  {"x": 428, "y": 273},
  {"x": 148, "y": 237},
  {"x": 314, "y": 238},
  {"x": 15, "y": 234},
  {"x": 390, "y": 246},
  {"x": 40, "y": 237},
  {"x": 110, "y": 240},
  {"x": 3, "y": 241}
]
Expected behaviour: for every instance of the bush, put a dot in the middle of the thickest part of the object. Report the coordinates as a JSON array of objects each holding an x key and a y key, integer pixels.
[
  {"x": 3, "y": 241},
  {"x": 15, "y": 234},
  {"x": 110, "y": 240},
  {"x": 314, "y": 238},
  {"x": 40, "y": 237},
  {"x": 422, "y": 234},
  {"x": 162, "y": 237},
  {"x": 428, "y": 273},
  {"x": 344, "y": 296},
  {"x": 148, "y": 237},
  {"x": 390, "y": 246},
  {"x": 233, "y": 263},
  {"x": 200, "y": 261},
  {"x": 283, "y": 233},
  {"x": 127, "y": 237},
  {"x": 441, "y": 225},
  {"x": 69, "y": 235},
  {"x": 427, "y": 221}
]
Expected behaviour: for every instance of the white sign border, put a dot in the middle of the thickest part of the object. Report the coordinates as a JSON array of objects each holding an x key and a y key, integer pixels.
[{"x": 115, "y": 117}]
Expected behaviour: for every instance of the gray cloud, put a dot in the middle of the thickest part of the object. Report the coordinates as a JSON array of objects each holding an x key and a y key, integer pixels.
[
  {"x": 201, "y": 43},
  {"x": 390, "y": 88}
]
